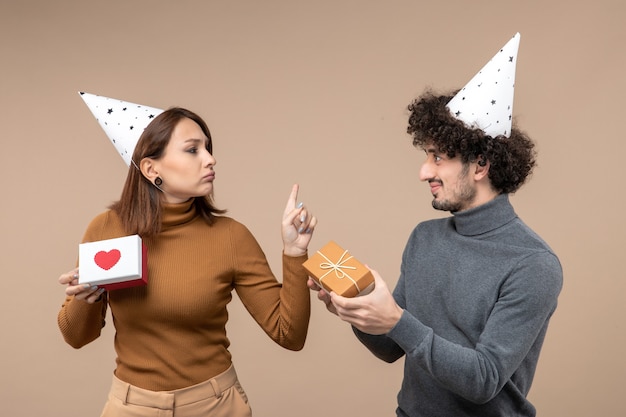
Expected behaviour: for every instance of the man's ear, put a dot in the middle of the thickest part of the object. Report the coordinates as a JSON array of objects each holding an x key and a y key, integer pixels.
[
  {"x": 149, "y": 169},
  {"x": 482, "y": 168}
]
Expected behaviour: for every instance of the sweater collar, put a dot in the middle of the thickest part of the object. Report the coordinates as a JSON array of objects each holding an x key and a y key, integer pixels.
[
  {"x": 177, "y": 214},
  {"x": 484, "y": 218}
]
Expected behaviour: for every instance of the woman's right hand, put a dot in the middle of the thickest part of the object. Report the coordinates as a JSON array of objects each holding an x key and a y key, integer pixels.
[{"x": 85, "y": 292}]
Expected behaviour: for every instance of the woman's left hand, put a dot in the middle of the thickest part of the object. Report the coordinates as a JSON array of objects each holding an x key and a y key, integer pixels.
[{"x": 297, "y": 226}]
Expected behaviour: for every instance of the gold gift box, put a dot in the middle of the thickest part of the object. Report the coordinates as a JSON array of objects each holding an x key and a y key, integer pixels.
[{"x": 334, "y": 269}]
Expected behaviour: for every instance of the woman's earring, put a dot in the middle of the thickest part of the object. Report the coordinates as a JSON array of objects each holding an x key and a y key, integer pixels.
[{"x": 158, "y": 181}]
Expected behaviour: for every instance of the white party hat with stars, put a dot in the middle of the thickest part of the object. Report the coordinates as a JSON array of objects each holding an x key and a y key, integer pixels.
[
  {"x": 123, "y": 122},
  {"x": 486, "y": 101}
]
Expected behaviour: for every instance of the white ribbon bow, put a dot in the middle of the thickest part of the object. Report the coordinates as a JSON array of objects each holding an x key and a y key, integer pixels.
[{"x": 338, "y": 268}]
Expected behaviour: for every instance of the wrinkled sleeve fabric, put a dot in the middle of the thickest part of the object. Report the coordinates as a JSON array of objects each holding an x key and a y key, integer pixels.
[{"x": 281, "y": 309}]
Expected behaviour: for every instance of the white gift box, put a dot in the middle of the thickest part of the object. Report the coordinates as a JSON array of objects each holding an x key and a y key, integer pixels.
[{"x": 113, "y": 263}]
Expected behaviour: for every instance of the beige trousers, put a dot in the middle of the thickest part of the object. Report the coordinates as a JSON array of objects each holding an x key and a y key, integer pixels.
[{"x": 221, "y": 396}]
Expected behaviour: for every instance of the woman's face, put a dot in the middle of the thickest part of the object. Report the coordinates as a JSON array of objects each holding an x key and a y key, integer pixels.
[{"x": 186, "y": 166}]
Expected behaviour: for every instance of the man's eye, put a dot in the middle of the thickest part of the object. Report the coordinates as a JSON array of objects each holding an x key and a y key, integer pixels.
[{"x": 437, "y": 158}]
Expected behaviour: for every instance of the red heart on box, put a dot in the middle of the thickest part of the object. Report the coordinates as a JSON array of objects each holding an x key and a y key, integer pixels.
[{"x": 107, "y": 260}]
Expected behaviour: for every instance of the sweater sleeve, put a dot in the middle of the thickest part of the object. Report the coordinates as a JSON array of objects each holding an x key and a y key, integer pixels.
[
  {"x": 281, "y": 309},
  {"x": 79, "y": 322},
  {"x": 514, "y": 330}
]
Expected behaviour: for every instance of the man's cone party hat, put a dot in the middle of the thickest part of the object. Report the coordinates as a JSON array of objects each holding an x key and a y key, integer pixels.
[
  {"x": 123, "y": 122},
  {"x": 486, "y": 101}
]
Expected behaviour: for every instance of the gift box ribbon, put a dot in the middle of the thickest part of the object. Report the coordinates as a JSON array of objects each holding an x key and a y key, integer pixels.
[{"x": 338, "y": 268}]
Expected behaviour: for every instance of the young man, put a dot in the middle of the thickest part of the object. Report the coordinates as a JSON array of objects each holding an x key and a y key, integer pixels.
[{"x": 476, "y": 291}]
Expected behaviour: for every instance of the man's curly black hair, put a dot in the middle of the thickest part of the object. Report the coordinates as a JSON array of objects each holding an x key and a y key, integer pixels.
[{"x": 511, "y": 159}]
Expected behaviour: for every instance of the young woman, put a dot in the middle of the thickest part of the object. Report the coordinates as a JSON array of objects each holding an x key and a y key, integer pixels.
[{"x": 171, "y": 343}]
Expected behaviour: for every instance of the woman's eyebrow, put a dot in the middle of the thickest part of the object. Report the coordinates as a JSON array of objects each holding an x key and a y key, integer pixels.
[{"x": 195, "y": 140}]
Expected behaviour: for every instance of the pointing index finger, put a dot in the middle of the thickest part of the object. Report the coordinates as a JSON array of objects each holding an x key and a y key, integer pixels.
[{"x": 291, "y": 202}]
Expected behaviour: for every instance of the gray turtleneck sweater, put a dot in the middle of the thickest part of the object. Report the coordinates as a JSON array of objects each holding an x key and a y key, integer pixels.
[{"x": 478, "y": 289}]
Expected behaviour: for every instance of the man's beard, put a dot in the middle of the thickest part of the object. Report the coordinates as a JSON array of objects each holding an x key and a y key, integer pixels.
[{"x": 461, "y": 199}]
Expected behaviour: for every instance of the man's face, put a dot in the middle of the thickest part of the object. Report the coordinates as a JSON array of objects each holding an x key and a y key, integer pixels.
[{"x": 450, "y": 183}]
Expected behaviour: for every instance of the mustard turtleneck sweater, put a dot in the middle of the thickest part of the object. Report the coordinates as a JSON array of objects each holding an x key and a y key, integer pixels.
[{"x": 171, "y": 333}]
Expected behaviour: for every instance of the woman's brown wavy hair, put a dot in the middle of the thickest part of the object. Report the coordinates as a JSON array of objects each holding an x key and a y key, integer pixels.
[
  {"x": 511, "y": 159},
  {"x": 140, "y": 205}
]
